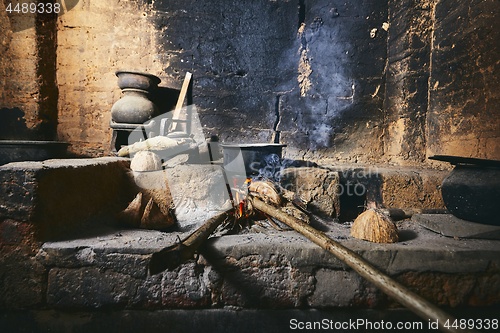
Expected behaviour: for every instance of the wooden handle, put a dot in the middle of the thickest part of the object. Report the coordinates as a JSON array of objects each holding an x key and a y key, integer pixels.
[
  {"x": 392, "y": 288},
  {"x": 180, "y": 100}
]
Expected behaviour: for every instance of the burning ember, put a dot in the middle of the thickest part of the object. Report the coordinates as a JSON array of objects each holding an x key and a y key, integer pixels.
[{"x": 264, "y": 180}]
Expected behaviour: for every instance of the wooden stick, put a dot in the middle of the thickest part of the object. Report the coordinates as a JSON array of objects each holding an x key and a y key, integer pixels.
[
  {"x": 174, "y": 255},
  {"x": 180, "y": 101},
  {"x": 397, "y": 291}
]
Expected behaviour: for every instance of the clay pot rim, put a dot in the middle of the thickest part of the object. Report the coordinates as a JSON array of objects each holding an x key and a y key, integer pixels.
[
  {"x": 155, "y": 79},
  {"x": 137, "y": 90}
]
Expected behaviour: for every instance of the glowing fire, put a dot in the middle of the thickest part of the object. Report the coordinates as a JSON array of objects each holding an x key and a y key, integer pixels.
[{"x": 240, "y": 195}]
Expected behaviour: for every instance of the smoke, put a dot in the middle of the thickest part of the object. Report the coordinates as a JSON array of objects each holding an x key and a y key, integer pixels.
[
  {"x": 321, "y": 136},
  {"x": 272, "y": 167}
]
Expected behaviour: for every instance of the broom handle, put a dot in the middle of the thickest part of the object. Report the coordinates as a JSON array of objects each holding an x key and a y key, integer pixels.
[{"x": 397, "y": 291}]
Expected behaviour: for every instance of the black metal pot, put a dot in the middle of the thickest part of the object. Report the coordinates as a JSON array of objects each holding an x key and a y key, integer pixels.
[
  {"x": 251, "y": 157},
  {"x": 472, "y": 189}
]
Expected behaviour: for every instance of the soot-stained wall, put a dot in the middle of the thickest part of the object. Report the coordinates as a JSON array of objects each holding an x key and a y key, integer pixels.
[
  {"x": 307, "y": 73},
  {"x": 385, "y": 81},
  {"x": 372, "y": 81}
]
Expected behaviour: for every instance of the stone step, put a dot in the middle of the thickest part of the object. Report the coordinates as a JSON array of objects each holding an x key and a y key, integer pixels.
[
  {"x": 389, "y": 187},
  {"x": 269, "y": 270},
  {"x": 42, "y": 265},
  {"x": 59, "y": 195}
]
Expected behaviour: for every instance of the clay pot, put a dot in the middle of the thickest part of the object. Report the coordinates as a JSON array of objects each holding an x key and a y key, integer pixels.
[
  {"x": 471, "y": 190},
  {"x": 137, "y": 80},
  {"x": 133, "y": 108}
]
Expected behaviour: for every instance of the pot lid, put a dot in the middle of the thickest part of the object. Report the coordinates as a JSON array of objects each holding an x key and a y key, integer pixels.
[
  {"x": 152, "y": 77},
  {"x": 466, "y": 160}
]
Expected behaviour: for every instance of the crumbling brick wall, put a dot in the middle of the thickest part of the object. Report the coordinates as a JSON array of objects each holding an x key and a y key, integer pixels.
[
  {"x": 28, "y": 92},
  {"x": 95, "y": 39}
]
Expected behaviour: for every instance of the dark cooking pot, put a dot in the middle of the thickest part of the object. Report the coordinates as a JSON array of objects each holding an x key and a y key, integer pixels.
[
  {"x": 252, "y": 155},
  {"x": 472, "y": 189}
]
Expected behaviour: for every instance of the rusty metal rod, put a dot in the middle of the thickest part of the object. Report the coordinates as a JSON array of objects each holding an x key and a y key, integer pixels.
[
  {"x": 392, "y": 288},
  {"x": 174, "y": 255}
]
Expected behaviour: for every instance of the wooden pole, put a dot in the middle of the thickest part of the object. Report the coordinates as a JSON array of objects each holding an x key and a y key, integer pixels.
[
  {"x": 180, "y": 101},
  {"x": 174, "y": 255},
  {"x": 392, "y": 288}
]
